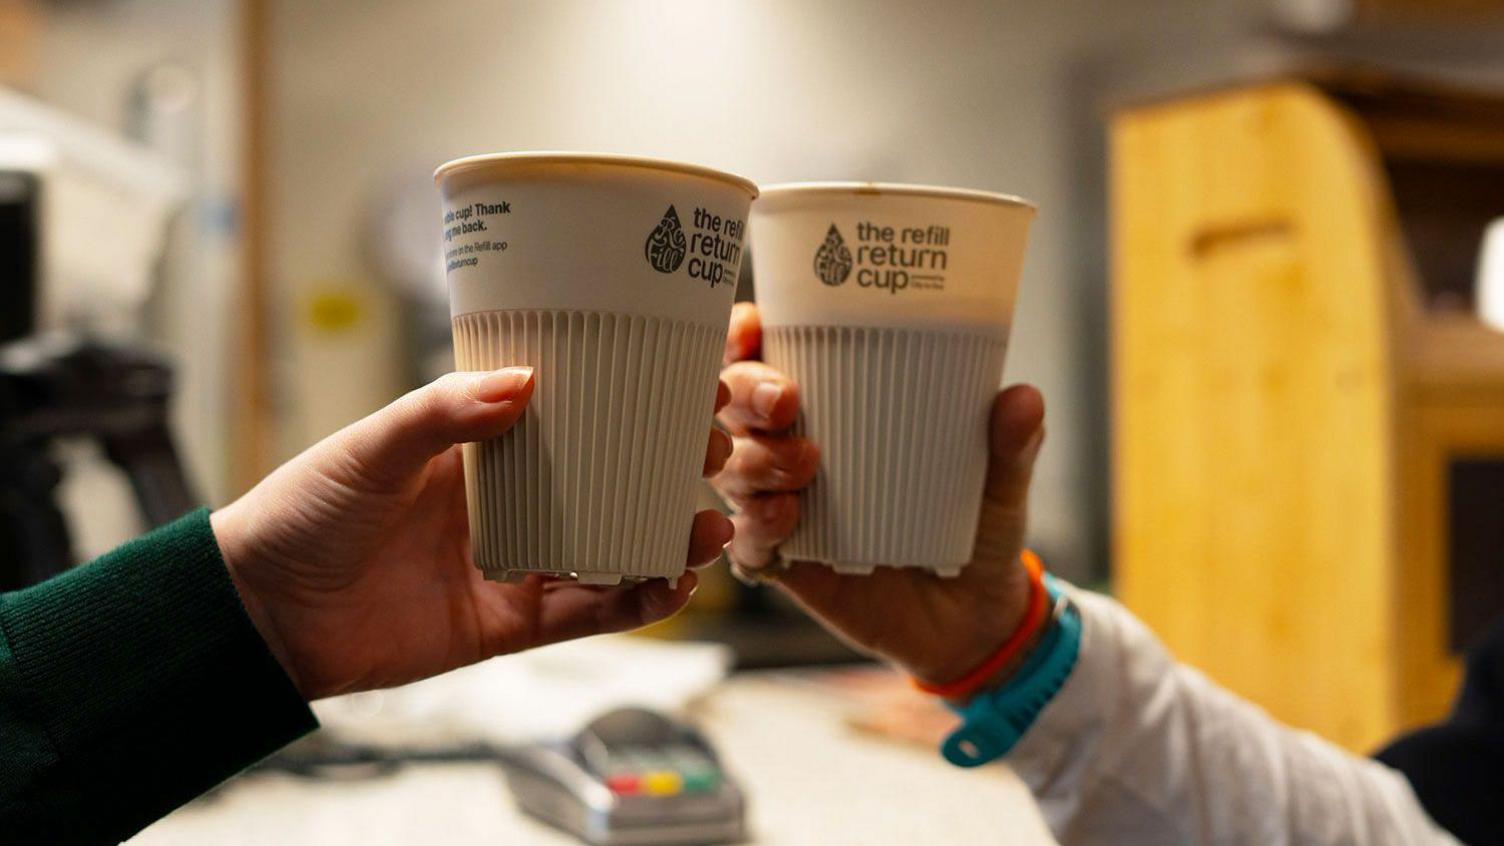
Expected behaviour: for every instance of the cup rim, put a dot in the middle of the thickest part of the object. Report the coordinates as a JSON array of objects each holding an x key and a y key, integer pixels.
[
  {"x": 784, "y": 189},
  {"x": 558, "y": 157}
]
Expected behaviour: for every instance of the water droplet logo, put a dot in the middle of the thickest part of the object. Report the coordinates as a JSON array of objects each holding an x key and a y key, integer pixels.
[
  {"x": 666, "y": 245},
  {"x": 833, "y": 259}
]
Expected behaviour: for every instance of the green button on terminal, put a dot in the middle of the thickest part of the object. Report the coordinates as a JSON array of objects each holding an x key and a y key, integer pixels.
[{"x": 701, "y": 781}]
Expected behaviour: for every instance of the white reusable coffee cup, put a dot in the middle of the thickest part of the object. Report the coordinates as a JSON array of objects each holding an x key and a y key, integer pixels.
[
  {"x": 890, "y": 307},
  {"x": 613, "y": 278}
]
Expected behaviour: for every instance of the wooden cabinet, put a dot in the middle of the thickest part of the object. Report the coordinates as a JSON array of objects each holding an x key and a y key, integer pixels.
[{"x": 1299, "y": 396}]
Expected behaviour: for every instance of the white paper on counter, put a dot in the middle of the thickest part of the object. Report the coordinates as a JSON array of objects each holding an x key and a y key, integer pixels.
[{"x": 547, "y": 692}]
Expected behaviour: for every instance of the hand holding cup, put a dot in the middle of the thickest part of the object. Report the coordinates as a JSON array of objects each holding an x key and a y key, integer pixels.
[
  {"x": 354, "y": 561},
  {"x": 937, "y": 629}
]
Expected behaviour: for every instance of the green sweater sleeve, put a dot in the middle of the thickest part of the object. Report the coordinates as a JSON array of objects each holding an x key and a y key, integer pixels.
[{"x": 131, "y": 685}]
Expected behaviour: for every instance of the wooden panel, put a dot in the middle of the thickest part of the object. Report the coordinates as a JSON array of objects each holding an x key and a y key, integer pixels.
[
  {"x": 251, "y": 457},
  {"x": 20, "y": 28},
  {"x": 1251, "y": 386}
]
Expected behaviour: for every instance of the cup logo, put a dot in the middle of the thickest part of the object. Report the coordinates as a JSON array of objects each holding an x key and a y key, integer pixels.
[
  {"x": 833, "y": 259},
  {"x": 887, "y": 257},
  {"x": 666, "y": 246}
]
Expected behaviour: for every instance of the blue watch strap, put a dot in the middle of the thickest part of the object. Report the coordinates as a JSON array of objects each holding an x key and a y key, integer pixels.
[{"x": 993, "y": 721}]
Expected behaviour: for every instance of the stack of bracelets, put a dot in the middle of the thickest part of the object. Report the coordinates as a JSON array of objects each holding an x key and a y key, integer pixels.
[{"x": 994, "y": 720}]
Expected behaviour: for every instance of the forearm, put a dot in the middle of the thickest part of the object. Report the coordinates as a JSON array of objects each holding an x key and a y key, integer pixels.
[
  {"x": 1138, "y": 749},
  {"x": 129, "y": 686}
]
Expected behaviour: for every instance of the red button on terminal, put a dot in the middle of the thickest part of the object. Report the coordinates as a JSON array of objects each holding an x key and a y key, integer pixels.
[{"x": 624, "y": 784}]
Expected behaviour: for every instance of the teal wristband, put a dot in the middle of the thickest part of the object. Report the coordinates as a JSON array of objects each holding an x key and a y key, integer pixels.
[{"x": 994, "y": 721}]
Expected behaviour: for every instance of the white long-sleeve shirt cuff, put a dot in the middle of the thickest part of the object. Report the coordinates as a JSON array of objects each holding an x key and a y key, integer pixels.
[{"x": 1136, "y": 748}]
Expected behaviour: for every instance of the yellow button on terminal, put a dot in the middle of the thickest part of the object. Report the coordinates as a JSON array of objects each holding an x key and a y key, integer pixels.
[{"x": 662, "y": 783}]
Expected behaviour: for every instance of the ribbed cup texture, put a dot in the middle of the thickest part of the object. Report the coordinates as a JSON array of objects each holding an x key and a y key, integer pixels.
[
  {"x": 901, "y": 420},
  {"x": 598, "y": 478}
]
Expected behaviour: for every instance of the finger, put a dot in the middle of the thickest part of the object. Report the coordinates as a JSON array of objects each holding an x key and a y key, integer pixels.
[
  {"x": 762, "y": 525},
  {"x": 395, "y": 442},
  {"x": 577, "y": 611},
  {"x": 744, "y": 339},
  {"x": 708, "y": 535},
  {"x": 722, "y": 396},
  {"x": 762, "y": 398},
  {"x": 716, "y": 452},
  {"x": 1017, "y": 432},
  {"x": 767, "y": 464}
]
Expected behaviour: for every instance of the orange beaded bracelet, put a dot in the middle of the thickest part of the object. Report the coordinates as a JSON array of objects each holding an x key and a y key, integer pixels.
[{"x": 1034, "y": 617}]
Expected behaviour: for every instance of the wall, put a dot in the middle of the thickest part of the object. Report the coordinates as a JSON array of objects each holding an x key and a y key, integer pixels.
[{"x": 91, "y": 59}]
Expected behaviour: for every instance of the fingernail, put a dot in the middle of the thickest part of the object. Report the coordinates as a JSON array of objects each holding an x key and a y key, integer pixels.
[
  {"x": 500, "y": 384},
  {"x": 765, "y": 397}
]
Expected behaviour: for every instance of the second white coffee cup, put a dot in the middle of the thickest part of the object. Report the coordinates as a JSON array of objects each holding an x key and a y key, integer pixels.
[
  {"x": 613, "y": 277},
  {"x": 890, "y": 306}
]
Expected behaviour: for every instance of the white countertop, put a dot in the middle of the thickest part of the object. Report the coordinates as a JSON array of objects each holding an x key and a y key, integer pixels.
[{"x": 810, "y": 778}]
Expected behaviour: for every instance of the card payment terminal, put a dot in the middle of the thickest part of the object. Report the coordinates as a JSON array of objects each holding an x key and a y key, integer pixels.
[{"x": 631, "y": 777}]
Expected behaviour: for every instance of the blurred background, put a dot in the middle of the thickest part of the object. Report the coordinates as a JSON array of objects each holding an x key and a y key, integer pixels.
[
  {"x": 232, "y": 200},
  {"x": 306, "y": 133}
]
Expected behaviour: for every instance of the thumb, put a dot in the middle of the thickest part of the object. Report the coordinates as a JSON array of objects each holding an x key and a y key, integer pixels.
[
  {"x": 1016, "y": 434},
  {"x": 397, "y": 441}
]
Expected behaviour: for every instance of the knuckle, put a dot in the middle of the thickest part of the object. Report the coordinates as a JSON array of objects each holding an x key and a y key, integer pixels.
[
  {"x": 770, "y": 517},
  {"x": 732, "y": 372},
  {"x": 762, "y": 464},
  {"x": 775, "y": 463},
  {"x": 428, "y": 412},
  {"x": 785, "y": 517},
  {"x": 429, "y": 401},
  {"x": 415, "y": 408},
  {"x": 733, "y": 489},
  {"x": 739, "y": 462},
  {"x": 451, "y": 383},
  {"x": 758, "y": 460},
  {"x": 745, "y": 373},
  {"x": 750, "y": 476}
]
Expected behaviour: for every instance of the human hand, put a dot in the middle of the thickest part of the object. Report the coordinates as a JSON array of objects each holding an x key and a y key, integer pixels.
[
  {"x": 934, "y": 628},
  {"x": 353, "y": 559}
]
